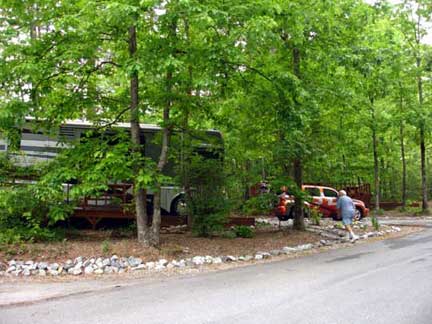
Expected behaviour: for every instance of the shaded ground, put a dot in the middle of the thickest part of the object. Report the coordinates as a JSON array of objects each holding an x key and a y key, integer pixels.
[
  {"x": 122, "y": 242},
  {"x": 178, "y": 245}
]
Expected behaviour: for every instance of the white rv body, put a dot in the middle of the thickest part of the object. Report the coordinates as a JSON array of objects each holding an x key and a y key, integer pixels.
[{"x": 37, "y": 147}]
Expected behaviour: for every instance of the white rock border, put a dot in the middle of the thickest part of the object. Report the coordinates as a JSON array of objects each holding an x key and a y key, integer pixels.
[{"x": 98, "y": 266}]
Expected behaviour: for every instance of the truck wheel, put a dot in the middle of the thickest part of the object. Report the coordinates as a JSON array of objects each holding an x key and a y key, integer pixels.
[
  {"x": 358, "y": 215},
  {"x": 179, "y": 207},
  {"x": 336, "y": 217}
]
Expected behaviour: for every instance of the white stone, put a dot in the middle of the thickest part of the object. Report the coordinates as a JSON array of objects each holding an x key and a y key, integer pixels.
[
  {"x": 150, "y": 265},
  {"x": 134, "y": 262},
  {"x": 89, "y": 269},
  {"x": 170, "y": 266},
  {"x": 217, "y": 260},
  {"x": 76, "y": 271},
  {"x": 275, "y": 252},
  {"x": 159, "y": 267},
  {"x": 99, "y": 264},
  {"x": 53, "y": 266},
  {"x": 99, "y": 271},
  {"x": 163, "y": 262},
  {"x": 26, "y": 272},
  {"x": 175, "y": 263},
  {"x": 53, "y": 272},
  {"x": 229, "y": 258},
  {"x": 139, "y": 267},
  {"x": 17, "y": 272},
  {"x": 304, "y": 247},
  {"x": 68, "y": 265},
  {"x": 11, "y": 269},
  {"x": 109, "y": 269},
  {"x": 198, "y": 260},
  {"x": 265, "y": 255},
  {"x": 89, "y": 262},
  {"x": 258, "y": 257},
  {"x": 42, "y": 265}
]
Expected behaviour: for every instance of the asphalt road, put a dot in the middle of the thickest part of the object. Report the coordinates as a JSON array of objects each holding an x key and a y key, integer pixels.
[{"x": 383, "y": 282}]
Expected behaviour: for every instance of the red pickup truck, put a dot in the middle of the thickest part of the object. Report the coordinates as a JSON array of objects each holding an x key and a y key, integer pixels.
[{"x": 323, "y": 199}]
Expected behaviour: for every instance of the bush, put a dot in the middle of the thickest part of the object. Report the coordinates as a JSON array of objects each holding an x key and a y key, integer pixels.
[
  {"x": 315, "y": 216},
  {"x": 261, "y": 204},
  {"x": 105, "y": 247},
  {"x": 20, "y": 234},
  {"x": 228, "y": 235},
  {"x": 207, "y": 204},
  {"x": 26, "y": 214},
  {"x": 209, "y": 225},
  {"x": 375, "y": 223},
  {"x": 244, "y": 231}
]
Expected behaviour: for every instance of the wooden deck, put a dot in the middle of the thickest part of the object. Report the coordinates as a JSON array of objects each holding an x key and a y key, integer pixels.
[{"x": 116, "y": 204}]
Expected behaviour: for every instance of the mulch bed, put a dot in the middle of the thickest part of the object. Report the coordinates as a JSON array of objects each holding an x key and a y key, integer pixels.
[{"x": 173, "y": 246}]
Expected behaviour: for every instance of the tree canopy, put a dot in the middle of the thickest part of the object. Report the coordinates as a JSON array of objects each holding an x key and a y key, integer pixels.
[{"x": 313, "y": 91}]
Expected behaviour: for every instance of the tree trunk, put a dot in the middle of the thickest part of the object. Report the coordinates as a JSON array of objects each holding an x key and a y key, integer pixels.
[
  {"x": 402, "y": 147},
  {"x": 140, "y": 193},
  {"x": 422, "y": 122},
  {"x": 299, "y": 223},
  {"x": 423, "y": 168},
  {"x": 376, "y": 170},
  {"x": 186, "y": 141},
  {"x": 375, "y": 156},
  {"x": 166, "y": 136},
  {"x": 163, "y": 158},
  {"x": 422, "y": 143}
]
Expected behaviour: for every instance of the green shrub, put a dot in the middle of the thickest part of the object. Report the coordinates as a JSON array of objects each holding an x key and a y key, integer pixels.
[
  {"x": 228, "y": 234},
  {"x": 209, "y": 225},
  {"x": 375, "y": 223},
  {"x": 315, "y": 216},
  {"x": 20, "y": 234},
  {"x": 244, "y": 231},
  {"x": 26, "y": 214},
  {"x": 105, "y": 247},
  {"x": 207, "y": 205},
  {"x": 261, "y": 204}
]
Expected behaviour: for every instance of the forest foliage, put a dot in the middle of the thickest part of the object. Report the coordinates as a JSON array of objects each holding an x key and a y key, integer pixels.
[{"x": 314, "y": 91}]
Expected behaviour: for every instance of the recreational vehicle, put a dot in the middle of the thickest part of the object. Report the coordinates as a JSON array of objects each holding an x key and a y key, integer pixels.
[{"x": 36, "y": 146}]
